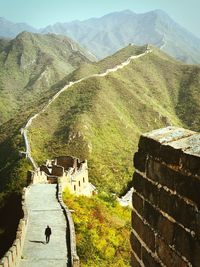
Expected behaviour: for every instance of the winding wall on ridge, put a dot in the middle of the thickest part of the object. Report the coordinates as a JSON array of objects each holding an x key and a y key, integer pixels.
[{"x": 166, "y": 199}]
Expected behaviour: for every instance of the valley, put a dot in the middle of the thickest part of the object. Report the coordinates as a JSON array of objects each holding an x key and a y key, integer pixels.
[{"x": 91, "y": 110}]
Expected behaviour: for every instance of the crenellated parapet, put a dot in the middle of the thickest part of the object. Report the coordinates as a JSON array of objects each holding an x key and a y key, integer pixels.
[
  {"x": 166, "y": 199},
  {"x": 71, "y": 172}
]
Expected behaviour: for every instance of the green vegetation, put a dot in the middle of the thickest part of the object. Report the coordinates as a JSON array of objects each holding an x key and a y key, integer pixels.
[
  {"x": 101, "y": 118},
  {"x": 102, "y": 230},
  {"x": 30, "y": 65}
]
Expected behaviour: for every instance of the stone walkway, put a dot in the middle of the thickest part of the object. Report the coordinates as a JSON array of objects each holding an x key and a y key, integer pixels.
[{"x": 44, "y": 210}]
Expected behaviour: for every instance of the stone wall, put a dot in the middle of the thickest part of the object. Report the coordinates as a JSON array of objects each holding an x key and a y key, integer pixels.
[
  {"x": 166, "y": 199},
  {"x": 38, "y": 176},
  {"x": 66, "y": 162},
  {"x": 74, "y": 259},
  {"x": 13, "y": 255}
]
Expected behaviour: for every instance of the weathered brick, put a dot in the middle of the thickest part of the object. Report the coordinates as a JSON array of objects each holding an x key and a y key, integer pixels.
[
  {"x": 166, "y": 201},
  {"x": 149, "y": 146},
  {"x": 184, "y": 213},
  {"x": 139, "y": 161},
  {"x": 144, "y": 231},
  {"x": 191, "y": 163},
  {"x": 178, "y": 209},
  {"x": 148, "y": 260},
  {"x": 134, "y": 261},
  {"x": 187, "y": 246},
  {"x": 166, "y": 229},
  {"x": 151, "y": 215},
  {"x": 170, "y": 155},
  {"x": 185, "y": 185},
  {"x": 167, "y": 255},
  {"x": 145, "y": 188},
  {"x": 160, "y": 143},
  {"x": 137, "y": 202},
  {"x": 190, "y": 159},
  {"x": 153, "y": 169},
  {"x": 172, "y": 162},
  {"x": 138, "y": 182},
  {"x": 137, "y": 224},
  {"x": 135, "y": 244},
  {"x": 171, "y": 204},
  {"x": 188, "y": 186}
]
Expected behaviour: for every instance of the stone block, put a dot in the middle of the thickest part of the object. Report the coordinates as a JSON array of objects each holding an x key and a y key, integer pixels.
[
  {"x": 151, "y": 215},
  {"x": 170, "y": 155},
  {"x": 140, "y": 161},
  {"x": 138, "y": 182},
  {"x": 188, "y": 246},
  {"x": 167, "y": 255},
  {"x": 144, "y": 231},
  {"x": 137, "y": 203},
  {"x": 185, "y": 185},
  {"x": 184, "y": 213},
  {"x": 191, "y": 163},
  {"x": 134, "y": 261},
  {"x": 153, "y": 169},
  {"x": 135, "y": 244},
  {"x": 149, "y": 146},
  {"x": 145, "y": 188},
  {"x": 178, "y": 209},
  {"x": 166, "y": 229},
  {"x": 166, "y": 202},
  {"x": 190, "y": 159},
  {"x": 169, "y": 143},
  {"x": 148, "y": 260}
]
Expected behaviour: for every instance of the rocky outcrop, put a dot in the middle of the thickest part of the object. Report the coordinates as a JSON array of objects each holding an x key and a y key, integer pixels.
[{"x": 166, "y": 202}]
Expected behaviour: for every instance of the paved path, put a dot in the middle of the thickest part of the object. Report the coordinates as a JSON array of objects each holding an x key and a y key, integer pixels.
[{"x": 44, "y": 209}]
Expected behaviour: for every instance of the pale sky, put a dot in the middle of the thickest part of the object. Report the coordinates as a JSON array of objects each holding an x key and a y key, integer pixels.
[{"x": 40, "y": 13}]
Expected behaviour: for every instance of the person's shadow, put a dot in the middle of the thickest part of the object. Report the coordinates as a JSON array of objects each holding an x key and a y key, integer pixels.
[{"x": 37, "y": 241}]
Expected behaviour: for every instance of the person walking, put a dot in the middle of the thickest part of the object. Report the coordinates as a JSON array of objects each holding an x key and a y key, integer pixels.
[{"x": 47, "y": 233}]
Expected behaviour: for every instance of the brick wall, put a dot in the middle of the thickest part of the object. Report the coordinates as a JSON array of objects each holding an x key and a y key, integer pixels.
[
  {"x": 166, "y": 199},
  {"x": 13, "y": 255}
]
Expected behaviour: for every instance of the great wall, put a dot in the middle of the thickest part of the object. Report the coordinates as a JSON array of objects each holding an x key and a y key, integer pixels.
[
  {"x": 14, "y": 256},
  {"x": 166, "y": 199}
]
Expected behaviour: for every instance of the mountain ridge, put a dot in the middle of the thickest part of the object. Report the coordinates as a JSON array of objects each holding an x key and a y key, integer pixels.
[
  {"x": 105, "y": 35},
  {"x": 113, "y": 31},
  {"x": 99, "y": 118},
  {"x": 101, "y": 115},
  {"x": 30, "y": 65}
]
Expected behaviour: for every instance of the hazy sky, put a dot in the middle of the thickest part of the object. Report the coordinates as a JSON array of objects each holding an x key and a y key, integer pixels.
[{"x": 40, "y": 13}]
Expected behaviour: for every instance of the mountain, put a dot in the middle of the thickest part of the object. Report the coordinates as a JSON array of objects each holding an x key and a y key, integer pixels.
[
  {"x": 104, "y": 36},
  {"x": 100, "y": 118},
  {"x": 10, "y": 29},
  {"x": 30, "y": 65}
]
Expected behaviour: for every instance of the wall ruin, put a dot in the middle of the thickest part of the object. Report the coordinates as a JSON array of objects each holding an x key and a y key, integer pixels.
[{"x": 166, "y": 199}]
